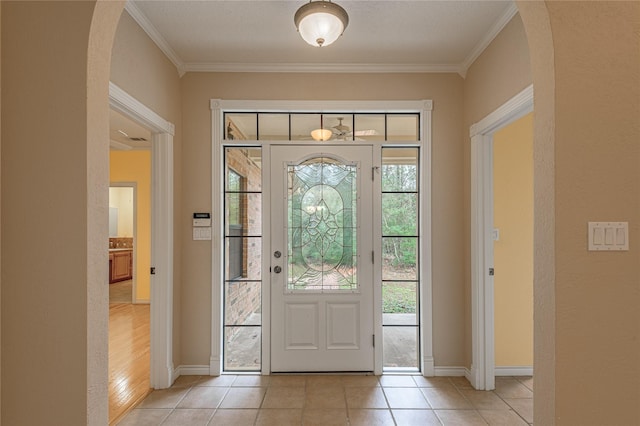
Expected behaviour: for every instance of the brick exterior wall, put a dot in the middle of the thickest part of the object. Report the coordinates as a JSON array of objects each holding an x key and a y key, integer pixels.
[{"x": 243, "y": 298}]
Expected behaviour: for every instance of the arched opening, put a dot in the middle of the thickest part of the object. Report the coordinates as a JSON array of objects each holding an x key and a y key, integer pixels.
[
  {"x": 539, "y": 15},
  {"x": 89, "y": 402}
]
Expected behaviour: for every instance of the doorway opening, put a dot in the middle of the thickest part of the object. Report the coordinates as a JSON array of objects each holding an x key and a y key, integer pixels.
[
  {"x": 142, "y": 152},
  {"x": 483, "y": 367},
  {"x": 326, "y": 257}
]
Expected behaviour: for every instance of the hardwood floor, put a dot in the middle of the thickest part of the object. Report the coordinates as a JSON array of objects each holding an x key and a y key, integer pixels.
[{"x": 129, "y": 359}]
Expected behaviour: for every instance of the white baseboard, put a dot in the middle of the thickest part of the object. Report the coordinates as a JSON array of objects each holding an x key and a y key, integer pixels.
[
  {"x": 142, "y": 301},
  {"x": 451, "y": 371},
  {"x": 514, "y": 371},
  {"x": 190, "y": 370}
]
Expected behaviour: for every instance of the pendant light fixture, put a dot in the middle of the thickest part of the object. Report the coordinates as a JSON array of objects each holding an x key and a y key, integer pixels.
[{"x": 321, "y": 22}]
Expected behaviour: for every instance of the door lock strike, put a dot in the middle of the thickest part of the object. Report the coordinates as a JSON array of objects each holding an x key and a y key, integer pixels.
[{"x": 491, "y": 272}]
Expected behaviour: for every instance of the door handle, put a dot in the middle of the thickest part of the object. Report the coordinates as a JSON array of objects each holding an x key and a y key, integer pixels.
[
  {"x": 277, "y": 269},
  {"x": 277, "y": 254}
]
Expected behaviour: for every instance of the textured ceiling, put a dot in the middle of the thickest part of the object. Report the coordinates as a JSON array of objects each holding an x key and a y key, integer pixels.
[
  {"x": 382, "y": 35},
  {"x": 250, "y": 35}
]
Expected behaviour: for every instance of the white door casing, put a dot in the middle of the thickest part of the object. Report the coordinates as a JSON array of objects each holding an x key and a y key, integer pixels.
[
  {"x": 323, "y": 328},
  {"x": 218, "y": 108},
  {"x": 482, "y": 374}
]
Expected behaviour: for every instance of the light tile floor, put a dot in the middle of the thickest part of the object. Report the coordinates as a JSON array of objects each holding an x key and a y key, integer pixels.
[{"x": 335, "y": 400}]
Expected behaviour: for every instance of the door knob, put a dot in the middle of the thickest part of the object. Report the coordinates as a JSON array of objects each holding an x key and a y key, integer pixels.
[
  {"x": 277, "y": 254},
  {"x": 277, "y": 269}
]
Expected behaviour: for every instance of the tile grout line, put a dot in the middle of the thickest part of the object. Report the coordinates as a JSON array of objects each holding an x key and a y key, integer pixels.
[{"x": 513, "y": 409}]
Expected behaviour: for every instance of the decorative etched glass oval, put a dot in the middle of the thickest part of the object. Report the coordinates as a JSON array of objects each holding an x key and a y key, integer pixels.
[{"x": 322, "y": 199}]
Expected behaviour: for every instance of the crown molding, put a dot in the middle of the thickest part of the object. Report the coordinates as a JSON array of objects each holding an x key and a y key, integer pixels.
[
  {"x": 322, "y": 68},
  {"x": 154, "y": 35},
  {"x": 484, "y": 42},
  {"x": 321, "y": 106}
]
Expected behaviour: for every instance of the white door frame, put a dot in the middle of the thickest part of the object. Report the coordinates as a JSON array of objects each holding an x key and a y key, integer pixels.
[
  {"x": 162, "y": 370},
  {"x": 482, "y": 374},
  {"x": 218, "y": 106}
]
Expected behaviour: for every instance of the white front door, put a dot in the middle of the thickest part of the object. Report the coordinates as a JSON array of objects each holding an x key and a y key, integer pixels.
[{"x": 321, "y": 258}]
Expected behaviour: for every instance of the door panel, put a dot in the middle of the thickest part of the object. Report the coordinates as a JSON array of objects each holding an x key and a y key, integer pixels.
[{"x": 322, "y": 283}]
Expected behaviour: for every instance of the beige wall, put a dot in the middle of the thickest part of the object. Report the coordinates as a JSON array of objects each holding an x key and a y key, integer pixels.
[
  {"x": 54, "y": 211},
  {"x": 513, "y": 251},
  {"x": 140, "y": 68},
  {"x": 446, "y": 92},
  {"x": 586, "y": 154},
  {"x": 135, "y": 166},
  {"x": 597, "y": 178},
  {"x": 498, "y": 74}
]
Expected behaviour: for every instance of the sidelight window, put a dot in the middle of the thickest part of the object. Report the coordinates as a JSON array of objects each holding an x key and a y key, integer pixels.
[
  {"x": 243, "y": 266},
  {"x": 400, "y": 258}
]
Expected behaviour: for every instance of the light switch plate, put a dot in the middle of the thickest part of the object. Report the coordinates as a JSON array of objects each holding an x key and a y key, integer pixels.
[{"x": 608, "y": 236}]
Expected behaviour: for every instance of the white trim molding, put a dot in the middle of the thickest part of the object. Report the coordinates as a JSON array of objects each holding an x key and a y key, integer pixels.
[
  {"x": 162, "y": 260},
  {"x": 218, "y": 107},
  {"x": 426, "y": 264},
  {"x": 451, "y": 371},
  {"x": 514, "y": 371},
  {"x": 155, "y": 35},
  {"x": 482, "y": 373},
  {"x": 126, "y": 104},
  {"x": 323, "y": 68},
  {"x": 217, "y": 261},
  {"x": 485, "y": 41},
  {"x": 190, "y": 370}
]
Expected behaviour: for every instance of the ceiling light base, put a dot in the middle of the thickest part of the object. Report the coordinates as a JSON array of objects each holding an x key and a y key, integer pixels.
[{"x": 321, "y": 22}]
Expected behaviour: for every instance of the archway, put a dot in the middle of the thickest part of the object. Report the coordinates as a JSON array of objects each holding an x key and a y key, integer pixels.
[
  {"x": 536, "y": 22},
  {"x": 535, "y": 18},
  {"x": 90, "y": 27}
]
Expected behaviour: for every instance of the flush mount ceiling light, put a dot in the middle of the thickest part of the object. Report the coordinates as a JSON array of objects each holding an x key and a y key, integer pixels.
[
  {"x": 321, "y": 22},
  {"x": 321, "y": 135}
]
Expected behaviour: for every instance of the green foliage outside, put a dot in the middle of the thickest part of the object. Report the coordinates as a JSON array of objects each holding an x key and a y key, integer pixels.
[
  {"x": 399, "y": 215},
  {"x": 398, "y": 299}
]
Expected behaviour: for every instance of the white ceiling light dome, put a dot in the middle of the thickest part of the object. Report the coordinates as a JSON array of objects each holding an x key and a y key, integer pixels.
[{"x": 321, "y": 22}]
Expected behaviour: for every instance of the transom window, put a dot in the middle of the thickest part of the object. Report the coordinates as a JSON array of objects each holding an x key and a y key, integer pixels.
[{"x": 265, "y": 126}]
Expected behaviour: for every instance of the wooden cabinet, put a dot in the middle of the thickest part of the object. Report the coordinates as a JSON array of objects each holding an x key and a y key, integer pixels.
[{"x": 121, "y": 265}]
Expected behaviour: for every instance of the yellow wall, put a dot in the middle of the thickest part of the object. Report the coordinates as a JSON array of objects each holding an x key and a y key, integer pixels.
[
  {"x": 513, "y": 252},
  {"x": 135, "y": 166}
]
